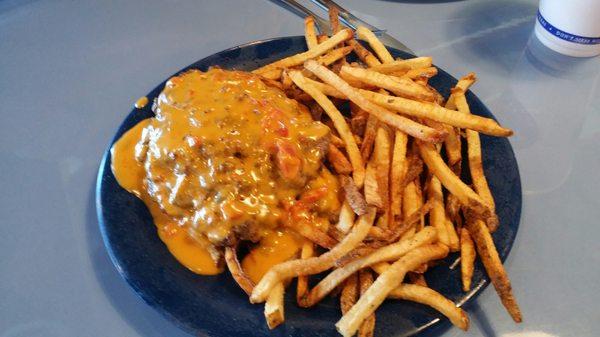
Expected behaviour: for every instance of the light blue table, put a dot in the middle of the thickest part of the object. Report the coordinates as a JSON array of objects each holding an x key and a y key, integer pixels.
[{"x": 71, "y": 70}]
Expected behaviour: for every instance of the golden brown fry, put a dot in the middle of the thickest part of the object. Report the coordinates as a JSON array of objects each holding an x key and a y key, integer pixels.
[
  {"x": 353, "y": 196},
  {"x": 372, "y": 188},
  {"x": 272, "y": 74},
  {"x": 381, "y": 156},
  {"x": 326, "y": 89},
  {"x": 453, "y": 209},
  {"x": 415, "y": 168},
  {"x": 437, "y": 216},
  {"x": 430, "y": 297},
  {"x": 437, "y": 113},
  {"x": 403, "y": 65},
  {"x": 338, "y": 160},
  {"x": 367, "y": 328},
  {"x": 464, "y": 84},
  {"x": 453, "y": 145},
  {"x": 381, "y": 51},
  {"x": 453, "y": 141},
  {"x": 438, "y": 167},
  {"x": 314, "y": 234},
  {"x": 313, "y": 265},
  {"x": 334, "y": 55},
  {"x": 346, "y": 219},
  {"x": 475, "y": 162},
  {"x": 302, "y": 284},
  {"x": 322, "y": 38},
  {"x": 493, "y": 266},
  {"x": 297, "y": 59},
  {"x": 453, "y": 239},
  {"x": 388, "y": 253},
  {"x": 369, "y": 138},
  {"x": 334, "y": 19},
  {"x": 423, "y": 73},
  {"x": 404, "y": 124},
  {"x": 274, "y": 308},
  {"x": 467, "y": 258},
  {"x": 397, "y": 174},
  {"x": 238, "y": 274},
  {"x": 310, "y": 35},
  {"x": 385, "y": 283},
  {"x": 340, "y": 125},
  {"x": 410, "y": 205},
  {"x": 398, "y": 85},
  {"x": 363, "y": 53},
  {"x": 349, "y": 293}
]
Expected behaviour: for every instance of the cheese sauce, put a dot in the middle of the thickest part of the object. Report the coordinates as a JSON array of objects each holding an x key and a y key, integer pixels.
[{"x": 228, "y": 158}]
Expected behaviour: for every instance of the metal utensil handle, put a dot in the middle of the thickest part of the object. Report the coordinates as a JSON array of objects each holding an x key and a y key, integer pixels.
[
  {"x": 322, "y": 24},
  {"x": 346, "y": 17}
]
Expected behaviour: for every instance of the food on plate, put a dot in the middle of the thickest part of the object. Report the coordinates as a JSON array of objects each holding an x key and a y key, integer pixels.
[{"x": 316, "y": 163}]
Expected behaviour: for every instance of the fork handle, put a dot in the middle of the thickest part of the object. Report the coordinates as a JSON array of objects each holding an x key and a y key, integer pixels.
[{"x": 322, "y": 24}]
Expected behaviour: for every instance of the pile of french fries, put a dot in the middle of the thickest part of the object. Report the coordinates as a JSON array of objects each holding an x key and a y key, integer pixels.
[{"x": 405, "y": 204}]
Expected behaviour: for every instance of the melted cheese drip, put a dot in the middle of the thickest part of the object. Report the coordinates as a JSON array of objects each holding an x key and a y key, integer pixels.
[{"x": 227, "y": 156}]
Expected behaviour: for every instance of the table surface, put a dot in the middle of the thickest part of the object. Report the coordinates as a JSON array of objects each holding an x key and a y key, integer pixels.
[{"x": 71, "y": 70}]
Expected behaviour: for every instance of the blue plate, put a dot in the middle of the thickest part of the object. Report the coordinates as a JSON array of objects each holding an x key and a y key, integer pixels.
[{"x": 214, "y": 305}]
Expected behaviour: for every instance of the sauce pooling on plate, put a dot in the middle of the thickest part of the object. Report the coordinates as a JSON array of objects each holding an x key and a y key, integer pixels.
[{"x": 226, "y": 159}]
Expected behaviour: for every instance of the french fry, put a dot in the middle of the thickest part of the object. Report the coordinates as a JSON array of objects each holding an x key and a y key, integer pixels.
[
  {"x": 354, "y": 198},
  {"x": 372, "y": 188},
  {"x": 404, "y": 124},
  {"x": 403, "y": 65},
  {"x": 453, "y": 209},
  {"x": 464, "y": 193},
  {"x": 388, "y": 253},
  {"x": 334, "y": 19},
  {"x": 272, "y": 74},
  {"x": 349, "y": 293},
  {"x": 369, "y": 138},
  {"x": 302, "y": 283},
  {"x": 326, "y": 89},
  {"x": 425, "y": 73},
  {"x": 475, "y": 162},
  {"x": 437, "y": 216},
  {"x": 346, "y": 219},
  {"x": 431, "y": 298},
  {"x": 338, "y": 160},
  {"x": 312, "y": 233},
  {"x": 313, "y": 265},
  {"x": 310, "y": 34},
  {"x": 410, "y": 205},
  {"x": 385, "y": 283},
  {"x": 381, "y": 51},
  {"x": 238, "y": 274},
  {"x": 453, "y": 141},
  {"x": 381, "y": 155},
  {"x": 334, "y": 55},
  {"x": 322, "y": 38},
  {"x": 437, "y": 113},
  {"x": 400, "y": 86},
  {"x": 367, "y": 328},
  {"x": 453, "y": 240},
  {"x": 486, "y": 250},
  {"x": 318, "y": 50},
  {"x": 339, "y": 122},
  {"x": 363, "y": 53},
  {"x": 397, "y": 174},
  {"x": 274, "y": 308},
  {"x": 467, "y": 258}
]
